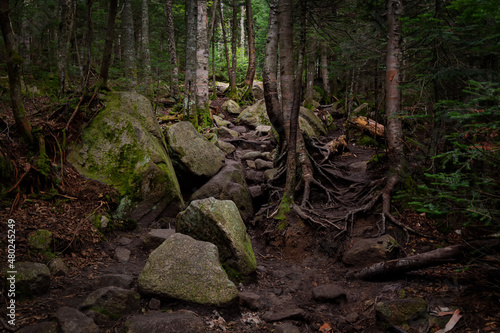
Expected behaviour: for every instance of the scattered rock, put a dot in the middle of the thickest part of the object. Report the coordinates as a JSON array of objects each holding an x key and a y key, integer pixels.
[
  {"x": 252, "y": 155},
  {"x": 226, "y": 147},
  {"x": 114, "y": 280},
  {"x": 282, "y": 314},
  {"x": 43, "y": 327},
  {"x": 124, "y": 147},
  {"x": 32, "y": 279},
  {"x": 263, "y": 130},
  {"x": 270, "y": 173},
  {"x": 286, "y": 328},
  {"x": 122, "y": 254},
  {"x": 255, "y": 191},
  {"x": 250, "y": 300},
  {"x": 254, "y": 176},
  {"x": 399, "y": 311},
  {"x": 263, "y": 165},
  {"x": 219, "y": 222},
  {"x": 154, "y": 304},
  {"x": 73, "y": 321},
  {"x": 224, "y": 132},
  {"x": 368, "y": 251},
  {"x": 57, "y": 267},
  {"x": 173, "y": 322},
  {"x": 251, "y": 164},
  {"x": 221, "y": 122},
  {"x": 231, "y": 107},
  {"x": 191, "y": 152},
  {"x": 358, "y": 166},
  {"x": 124, "y": 241},
  {"x": 113, "y": 302},
  {"x": 186, "y": 269},
  {"x": 40, "y": 240},
  {"x": 229, "y": 184},
  {"x": 254, "y": 115},
  {"x": 97, "y": 317},
  {"x": 328, "y": 293},
  {"x": 157, "y": 236}
]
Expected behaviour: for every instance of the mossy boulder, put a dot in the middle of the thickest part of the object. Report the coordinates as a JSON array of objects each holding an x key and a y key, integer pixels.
[
  {"x": 186, "y": 269},
  {"x": 313, "y": 120},
  {"x": 229, "y": 184},
  {"x": 400, "y": 311},
  {"x": 124, "y": 147},
  {"x": 219, "y": 222},
  {"x": 231, "y": 107},
  {"x": 40, "y": 240},
  {"x": 112, "y": 301},
  {"x": 32, "y": 279},
  {"x": 191, "y": 153}
]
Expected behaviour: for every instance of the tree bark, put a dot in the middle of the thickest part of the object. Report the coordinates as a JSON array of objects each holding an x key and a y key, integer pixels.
[
  {"x": 62, "y": 36},
  {"x": 128, "y": 45},
  {"x": 324, "y": 73},
  {"x": 146, "y": 57},
  {"x": 14, "y": 62},
  {"x": 311, "y": 70},
  {"x": 201, "y": 60},
  {"x": 108, "y": 44},
  {"x": 224, "y": 39},
  {"x": 269, "y": 74},
  {"x": 174, "y": 76},
  {"x": 251, "y": 51},
  {"x": 211, "y": 23},
  {"x": 234, "y": 61},
  {"x": 190, "y": 74}
]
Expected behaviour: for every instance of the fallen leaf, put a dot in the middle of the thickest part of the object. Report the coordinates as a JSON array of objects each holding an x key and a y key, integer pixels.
[{"x": 325, "y": 328}]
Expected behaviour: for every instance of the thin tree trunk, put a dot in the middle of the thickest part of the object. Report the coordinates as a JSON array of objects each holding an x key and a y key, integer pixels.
[
  {"x": 174, "y": 78},
  {"x": 234, "y": 38},
  {"x": 128, "y": 45},
  {"x": 146, "y": 57},
  {"x": 108, "y": 44},
  {"x": 62, "y": 35},
  {"x": 242, "y": 28},
  {"x": 89, "y": 39},
  {"x": 269, "y": 74},
  {"x": 14, "y": 62},
  {"x": 224, "y": 39},
  {"x": 311, "y": 70},
  {"x": 201, "y": 59},
  {"x": 251, "y": 46},
  {"x": 324, "y": 73},
  {"x": 213, "y": 19},
  {"x": 190, "y": 74},
  {"x": 287, "y": 91}
]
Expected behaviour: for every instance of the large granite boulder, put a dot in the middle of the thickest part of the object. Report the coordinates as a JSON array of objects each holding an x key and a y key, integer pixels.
[
  {"x": 229, "y": 184},
  {"x": 186, "y": 269},
  {"x": 219, "y": 222},
  {"x": 124, "y": 147},
  {"x": 191, "y": 153}
]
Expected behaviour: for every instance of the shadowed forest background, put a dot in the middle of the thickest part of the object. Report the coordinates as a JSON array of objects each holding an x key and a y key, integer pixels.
[{"x": 409, "y": 90}]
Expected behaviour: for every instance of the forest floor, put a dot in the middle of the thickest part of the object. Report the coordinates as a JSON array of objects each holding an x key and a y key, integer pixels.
[{"x": 290, "y": 263}]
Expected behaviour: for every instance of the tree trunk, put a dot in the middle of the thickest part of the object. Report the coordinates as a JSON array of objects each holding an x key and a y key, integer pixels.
[
  {"x": 88, "y": 41},
  {"x": 211, "y": 23},
  {"x": 190, "y": 74},
  {"x": 108, "y": 44},
  {"x": 201, "y": 60},
  {"x": 311, "y": 70},
  {"x": 234, "y": 39},
  {"x": 62, "y": 35},
  {"x": 324, "y": 73},
  {"x": 269, "y": 74},
  {"x": 14, "y": 62},
  {"x": 242, "y": 28},
  {"x": 146, "y": 57},
  {"x": 287, "y": 91},
  {"x": 174, "y": 76},
  {"x": 251, "y": 52},
  {"x": 224, "y": 39},
  {"x": 128, "y": 45}
]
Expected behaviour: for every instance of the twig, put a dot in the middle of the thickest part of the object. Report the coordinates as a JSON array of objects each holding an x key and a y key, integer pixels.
[
  {"x": 74, "y": 113},
  {"x": 20, "y": 179}
]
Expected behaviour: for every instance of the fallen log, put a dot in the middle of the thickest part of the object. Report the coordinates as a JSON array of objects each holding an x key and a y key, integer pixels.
[
  {"x": 392, "y": 268},
  {"x": 370, "y": 125}
]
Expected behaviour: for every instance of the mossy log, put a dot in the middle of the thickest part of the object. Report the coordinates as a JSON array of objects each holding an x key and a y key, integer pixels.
[{"x": 369, "y": 125}]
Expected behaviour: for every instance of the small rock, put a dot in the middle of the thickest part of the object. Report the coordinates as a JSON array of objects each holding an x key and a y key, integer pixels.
[
  {"x": 240, "y": 129},
  {"x": 112, "y": 301},
  {"x": 154, "y": 304},
  {"x": 114, "y": 280},
  {"x": 226, "y": 147},
  {"x": 221, "y": 122},
  {"x": 58, "y": 267},
  {"x": 250, "y": 300},
  {"x": 40, "y": 240},
  {"x": 254, "y": 176},
  {"x": 73, "y": 321},
  {"x": 281, "y": 314},
  {"x": 32, "y": 279},
  {"x": 97, "y": 317},
  {"x": 166, "y": 322},
  {"x": 267, "y": 155},
  {"x": 358, "y": 167},
  {"x": 155, "y": 237},
  {"x": 43, "y": 327},
  {"x": 399, "y": 311},
  {"x": 124, "y": 241},
  {"x": 286, "y": 328},
  {"x": 352, "y": 317},
  {"x": 255, "y": 191},
  {"x": 262, "y": 165},
  {"x": 225, "y": 132},
  {"x": 252, "y": 155},
  {"x": 231, "y": 107},
  {"x": 270, "y": 173},
  {"x": 251, "y": 164},
  {"x": 368, "y": 251},
  {"x": 122, "y": 254},
  {"x": 262, "y": 130},
  {"x": 328, "y": 293}
]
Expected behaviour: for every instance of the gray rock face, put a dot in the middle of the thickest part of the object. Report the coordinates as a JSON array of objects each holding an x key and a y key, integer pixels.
[
  {"x": 32, "y": 279},
  {"x": 73, "y": 321},
  {"x": 229, "y": 184},
  {"x": 219, "y": 222},
  {"x": 157, "y": 236},
  {"x": 176, "y": 322},
  {"x": 124, "y": 147},
  {"x": 112, "y": 301},
  {"x": 368, "y": 251},
  {"x": 328, "y": 293},
  {"x": 192, "y": 153},
  {"x": 187, "y": 269}
]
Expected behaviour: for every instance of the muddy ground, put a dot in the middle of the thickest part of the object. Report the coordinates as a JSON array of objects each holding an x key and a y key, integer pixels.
[{"x": 291, "y": 262}]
